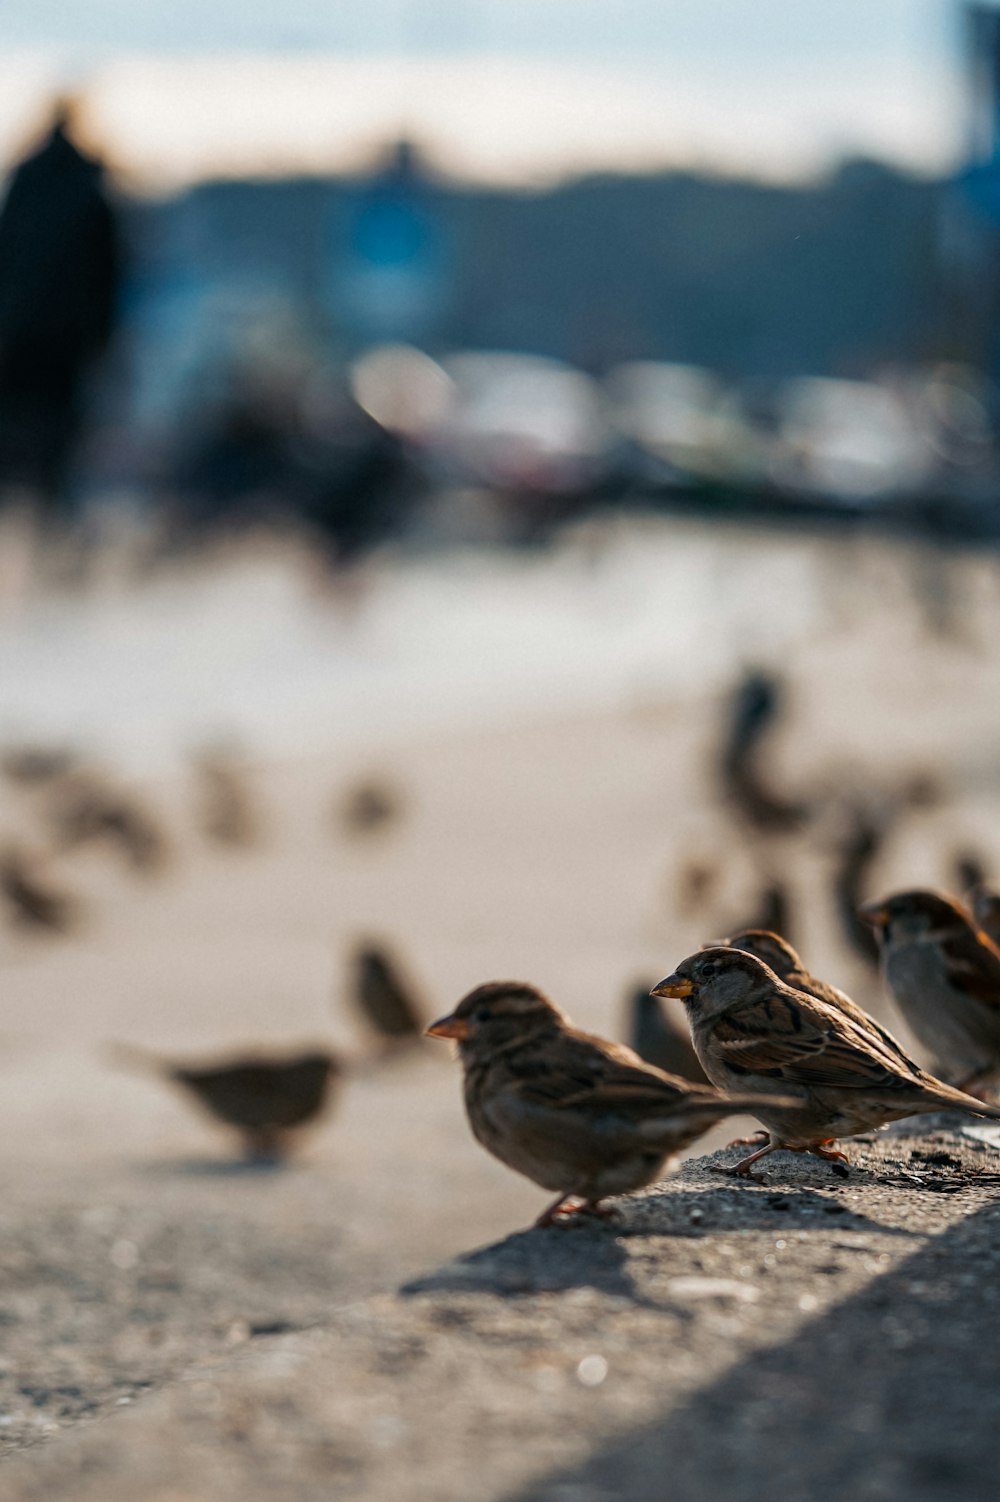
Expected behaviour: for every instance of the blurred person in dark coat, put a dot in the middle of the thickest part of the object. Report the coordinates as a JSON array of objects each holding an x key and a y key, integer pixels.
[{"x": 60, "y": 272}]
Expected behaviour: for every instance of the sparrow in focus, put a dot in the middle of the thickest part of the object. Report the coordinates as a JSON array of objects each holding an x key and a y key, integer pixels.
[
  {"x": 267, "y": 1100},
  {"x": 752, "y": 1032},
  {"x": 779, "y": 955},
  {"x": 944, "y": 975},
  {"x": 658, "y": 1038},
  {"x": 572, "y": 1112},
  {"x": 383, "y": 997}
]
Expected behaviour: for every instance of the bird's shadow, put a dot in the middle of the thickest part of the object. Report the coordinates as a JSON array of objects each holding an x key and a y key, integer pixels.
[
  {"x": 584, "y": 1253},
  {"x": 215, "y": 1168}
]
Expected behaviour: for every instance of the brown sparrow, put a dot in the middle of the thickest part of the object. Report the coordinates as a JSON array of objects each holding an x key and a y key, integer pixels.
[
  {"x": 268, "y": 1100},
  {"x": 383, "y": 997},
  {"x": 752, "y": 1032},
  {"x": 659, "y": 1039},
  {"x": 985, "y": 905},
  {"x": 755, "y": 707},
  {"x": 571, "y": 1111},
  {"x": 944, "y": 974},
  {"x": 777, "y": 953}
]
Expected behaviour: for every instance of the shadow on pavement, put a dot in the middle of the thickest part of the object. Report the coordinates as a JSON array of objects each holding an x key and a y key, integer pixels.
[{"x": 891, "y": 1396}]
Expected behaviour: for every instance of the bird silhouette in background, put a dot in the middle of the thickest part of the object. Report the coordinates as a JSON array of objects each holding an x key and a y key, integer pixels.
[
  {"x": 86, "y": 809},
  {"x": 383, "y": 998},
  {"x": 226, "y": 812},
  {"x": 856, "y": 857},
  {"x": 267, "y": 1100},
  {"x": 984, "y": 903},
  {"x": 659, "y": 1037},
  {"x": 368, "y": 807},
  {"x": 969, "y": 870},
  {"x": 31, "y": 900},
  {"x": 32, "y": 766},
  {"x": 753, "y": 711}
]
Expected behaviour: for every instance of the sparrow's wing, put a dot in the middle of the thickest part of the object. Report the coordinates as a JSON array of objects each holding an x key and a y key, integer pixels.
[
  {"x": 785, "y": 1039},
  {"x": 974, "y": 960},
  {"x": 580, "y": 1073}
]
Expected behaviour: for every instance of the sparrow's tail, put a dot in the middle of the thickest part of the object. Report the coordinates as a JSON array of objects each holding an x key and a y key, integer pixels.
[
  {"x": 718, "y": 1106},
  {"x": 950, "y": 1099}
]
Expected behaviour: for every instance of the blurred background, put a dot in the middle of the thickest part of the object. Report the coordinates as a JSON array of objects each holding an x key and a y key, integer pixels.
[{"x": 514, "y": 483}]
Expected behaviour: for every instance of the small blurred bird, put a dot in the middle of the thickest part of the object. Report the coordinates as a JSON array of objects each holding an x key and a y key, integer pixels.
[
  {"x": 268, "y": 1100},
  {"x": 225, "y": 805},
  {"x": 773, "y": 910},
  {"x": 984, "y": 903},
  {"x": 369, "y": 806},
  {"x": 855, "y": 858},
  {"x": 32, "y": 900},
  {"x": 572, "y": 1112},
  {"x": 384, "y": 1000},
  {"x": 752, "y": 1032},
  {"x": 779, "y": 955},
  {"x": 968, "y": 869},
  {"x": 85, "y": 808},
  {"x": 34, "y": 765},
  {"x": 753, "y": 710},
  {"x": 660, "y": 1038},
  {"x": 944, "y": 975}
]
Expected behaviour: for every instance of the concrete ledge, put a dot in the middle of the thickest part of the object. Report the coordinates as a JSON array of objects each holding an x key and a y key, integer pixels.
[{"x": 811, "y": 1337}]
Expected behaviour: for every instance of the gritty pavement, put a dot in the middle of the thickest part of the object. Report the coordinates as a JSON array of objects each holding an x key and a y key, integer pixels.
[{"x": 806, "y": 1336}]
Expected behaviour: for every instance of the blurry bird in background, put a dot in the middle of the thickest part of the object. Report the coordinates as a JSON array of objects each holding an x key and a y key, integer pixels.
[
  {"x": 984, "y": 903},
  {"x": 30, "y": 897},
  {"x": 368, "y": 807},
  {"x": 772, "y": 910},
  {"x": 226, "y": 811},
  {"x": 944, "y": 975},
  {"x": 85, "y": 808},
  {"x": 269, "y": 1101},
  {"x": 659, "y": 1037},
  {"x": 753, "y": 712},
  {"x": 383, "y": 997},
  {"x": 32, "y": 766},
  {"x": 856, "y": 855}
]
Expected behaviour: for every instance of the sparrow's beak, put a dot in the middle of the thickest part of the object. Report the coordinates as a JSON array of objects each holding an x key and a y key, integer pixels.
[
  {"x": 449, "y": 1027},
  {"x": 674, "y": 985},
  {"x": 874, "y": 913}
]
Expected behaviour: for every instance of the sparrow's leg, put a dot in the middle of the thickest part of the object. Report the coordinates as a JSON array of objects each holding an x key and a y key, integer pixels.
[
  {"x": 743, "y": 1167},
  {"x": 602, "y": 1212},
  {"x": 757, "y": 1137},
  {"x": 824, "y": 1150},
  {"x": 558, "y": 1207}
]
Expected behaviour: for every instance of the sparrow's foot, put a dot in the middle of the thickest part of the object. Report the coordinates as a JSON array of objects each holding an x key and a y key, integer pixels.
[{"x": 753, "y": 1141}]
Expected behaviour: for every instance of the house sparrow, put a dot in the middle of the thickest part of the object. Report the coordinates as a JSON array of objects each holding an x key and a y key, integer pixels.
[
  {"x": 985, "y": 905},
  {"x": 570, "y": 1111},
  {"x": 752, "y": 1032},
  {"x": 383, "y": 997},
  {"x": 658, "y": 1038},
  {"x": 944, "y": 974},
  {"x": 32, "y": 901},
  {"x": 779, "y": 955},
  {"x": 267, "y": 1100}
]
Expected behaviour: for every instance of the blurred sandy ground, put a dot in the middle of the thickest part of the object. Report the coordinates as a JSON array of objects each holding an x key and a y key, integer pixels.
[{"x": 549, "y": 722}]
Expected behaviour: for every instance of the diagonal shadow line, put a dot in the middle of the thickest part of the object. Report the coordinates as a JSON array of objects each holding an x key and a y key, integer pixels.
[{"x": 891, "y": 1396}]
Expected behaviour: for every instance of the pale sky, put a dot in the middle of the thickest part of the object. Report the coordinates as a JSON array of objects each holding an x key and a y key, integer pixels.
[{"x": 502, "y": 90}]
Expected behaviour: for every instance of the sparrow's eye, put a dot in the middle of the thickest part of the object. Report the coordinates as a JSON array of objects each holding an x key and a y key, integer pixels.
[
  {"x": 484, "y": 1014},
  {"x": 709, "y": 968}
]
